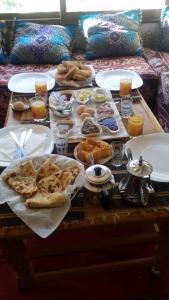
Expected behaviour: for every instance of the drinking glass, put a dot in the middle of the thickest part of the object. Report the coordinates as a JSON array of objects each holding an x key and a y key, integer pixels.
[
  {"x": 38, "y": 109},
  {"x": 135, "y": 125},
  {"x": 125, "y": 87},
  {"x": 41, "y": 90},
  {"x": 117, "y": 153}
]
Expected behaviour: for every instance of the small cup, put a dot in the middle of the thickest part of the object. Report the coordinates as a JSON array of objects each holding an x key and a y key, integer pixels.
[
  {"x": 126, "y": 107},
  {"x": 135, "y": 125},
  {"x": 61, "y": 144},
  {"x": 38, "y": 109},
  {"x": 125, "y": 87},
  {"x": 117, "y": 154}
]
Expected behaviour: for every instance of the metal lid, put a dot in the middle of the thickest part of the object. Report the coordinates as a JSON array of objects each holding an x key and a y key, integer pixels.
[
  {"x": 140, "y": 168},
  {"x": 98, "y": 174}
]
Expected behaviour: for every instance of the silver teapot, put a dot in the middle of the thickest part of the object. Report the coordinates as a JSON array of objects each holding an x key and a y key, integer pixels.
[{"x": 136, "y": 186}]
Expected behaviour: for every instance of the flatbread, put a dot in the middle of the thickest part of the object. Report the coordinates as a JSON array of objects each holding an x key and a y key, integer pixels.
[
  {"x": 47, "y": 168},
  {"x": 50, "y": 184},
  {"x": 40, "y": 200},
  {"x": 23, "y": 179}
]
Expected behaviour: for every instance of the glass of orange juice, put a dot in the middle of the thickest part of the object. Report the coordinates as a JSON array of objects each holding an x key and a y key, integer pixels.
[
  {"x": 125, "y": 87},
  {"x": 41, "y": 89},
  {"x": 38, "y": 109},
  {"x": 135, "y": 125}
]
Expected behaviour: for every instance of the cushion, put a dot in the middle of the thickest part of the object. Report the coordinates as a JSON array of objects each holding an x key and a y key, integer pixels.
[
  {"x": 41, "y": 44},
  {"x": 111, "y": 35},
  {"x": 150, "y": 33},
  {"x": 3, "y": 30},
  {"x": 164, "y": 39}
]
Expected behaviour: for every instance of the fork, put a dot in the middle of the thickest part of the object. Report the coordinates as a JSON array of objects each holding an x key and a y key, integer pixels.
[{"x": 20, "y": 152}]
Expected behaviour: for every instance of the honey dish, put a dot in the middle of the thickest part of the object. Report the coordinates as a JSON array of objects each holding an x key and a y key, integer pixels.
[
  {"x": 20, "y": 103},
  {"x": 101, "y": 95},
  {"x": 109, "y": 123},
  {"x": 93, "y": 150},
  {"x": 90, "y": 128}
]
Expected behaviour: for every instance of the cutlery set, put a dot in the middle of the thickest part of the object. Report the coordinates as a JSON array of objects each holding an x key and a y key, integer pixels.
[{"x": 25, "y": 136}]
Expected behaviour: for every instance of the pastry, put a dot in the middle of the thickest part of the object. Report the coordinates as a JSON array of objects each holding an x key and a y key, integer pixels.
[{"x": 46, "y": 200}]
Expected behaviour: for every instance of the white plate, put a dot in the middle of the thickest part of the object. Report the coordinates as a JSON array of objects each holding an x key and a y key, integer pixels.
[
  {"x": 154, "y": 148},
  {"x": 110, "y": 79},
  {"x": 25, "y": 82},
  {"x": 41, "y": 142}
]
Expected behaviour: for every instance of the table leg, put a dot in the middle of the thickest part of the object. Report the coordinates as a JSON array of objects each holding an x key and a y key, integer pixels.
[
  {"x": 162, "y": 248},
  {"x": 15, "y": 252}
]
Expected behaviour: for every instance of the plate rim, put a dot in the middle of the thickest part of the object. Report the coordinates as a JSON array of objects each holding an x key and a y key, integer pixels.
[
  {"x": 154, "y": 175},
  {"x": 97, "y": 79},
  {"x": 47, "y": 152},
  {"x": 16, "y": 90}
]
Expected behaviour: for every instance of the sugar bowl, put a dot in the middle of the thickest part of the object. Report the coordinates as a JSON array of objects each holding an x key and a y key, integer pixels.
[{"x": 99, "y": 182}]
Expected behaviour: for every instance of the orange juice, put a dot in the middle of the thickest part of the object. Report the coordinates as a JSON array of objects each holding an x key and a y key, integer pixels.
[
  {"x": 135, "y": 125},
  {"x": 38, "y": 109},
  {"x": 125, "y": 87},
  {"x": 41, "y": 88}
]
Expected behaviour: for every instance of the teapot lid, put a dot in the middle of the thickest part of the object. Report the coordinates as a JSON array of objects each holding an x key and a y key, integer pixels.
[
  {"x": 98, "y": 174},
  {"x": 140, "y": 168}
]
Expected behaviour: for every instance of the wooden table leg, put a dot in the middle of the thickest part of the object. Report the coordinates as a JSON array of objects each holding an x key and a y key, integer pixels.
[
  {"x": 162, "y": 248},
  {"x": 15, "y": 252}
]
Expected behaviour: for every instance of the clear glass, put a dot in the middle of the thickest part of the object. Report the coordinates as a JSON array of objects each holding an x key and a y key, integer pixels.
[
  {"x": 117, "y": 153},
  {"x": 126, "y": 107},
  {"x": 125, "y": 87},
  {"x": 38, "y": 108},
  {"x": 41, "y": 90},
  {"x": 135, "y": 125}
]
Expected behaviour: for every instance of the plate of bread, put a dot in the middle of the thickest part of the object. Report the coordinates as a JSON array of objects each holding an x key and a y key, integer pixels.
[
  {"x": 93, "y": 150},
  {"x": 39, "y": 190},
  {"x": 74, "y": 73}
]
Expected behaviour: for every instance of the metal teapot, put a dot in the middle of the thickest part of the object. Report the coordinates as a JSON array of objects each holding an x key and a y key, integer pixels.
[
  {"x": 136, "y": 186},
  {"x": 99, "y": 182}
]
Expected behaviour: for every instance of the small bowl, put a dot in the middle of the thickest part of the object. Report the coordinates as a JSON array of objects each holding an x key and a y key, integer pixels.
[
  {"x": 101, "y": 95},
  {"x": 83, "y": 96}
]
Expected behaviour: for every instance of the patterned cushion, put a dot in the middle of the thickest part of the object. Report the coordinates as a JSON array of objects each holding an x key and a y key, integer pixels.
[
  {"x": 3, "y": 29},
  {"x": 112, "y": 34},
  {"x": 164, "y": 39},
  {"x": 150, "y": 33},
  {"x": 40, "y": 44}
]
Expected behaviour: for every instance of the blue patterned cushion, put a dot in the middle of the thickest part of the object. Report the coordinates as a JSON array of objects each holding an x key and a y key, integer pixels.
[
  {"x": 41, "y": 44},
  {"x": 112, "y": 34},
  {"x": 164, "y": 38},
  {"x": 3, "y": 30}
]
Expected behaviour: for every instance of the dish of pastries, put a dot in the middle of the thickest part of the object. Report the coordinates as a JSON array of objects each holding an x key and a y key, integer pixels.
[
  {"x": 93, "y": 150},
  {"x": 41, "y": 187},
  {"x": 73, "y": 70}
]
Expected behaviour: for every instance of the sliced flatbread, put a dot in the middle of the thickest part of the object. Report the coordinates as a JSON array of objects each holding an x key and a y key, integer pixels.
[
  {"x": 23, "y": 179},
  {"x": 46, "y": 201},
  {"x": 47, "y": 168},
  {"x": 50, "y": 184}
]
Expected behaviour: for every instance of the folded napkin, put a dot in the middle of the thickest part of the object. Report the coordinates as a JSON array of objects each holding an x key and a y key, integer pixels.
[{"x": 35, "y": 145}]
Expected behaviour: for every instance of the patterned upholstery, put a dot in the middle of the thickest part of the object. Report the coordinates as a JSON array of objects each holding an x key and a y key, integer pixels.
[
  {"x": 41, "y": 44},
  {"x": 119, "y": 33},
  {"x": 159, "y": 61}
]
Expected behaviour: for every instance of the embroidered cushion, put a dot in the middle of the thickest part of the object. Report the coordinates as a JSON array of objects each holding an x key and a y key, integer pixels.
[
  {"x": 41, "y": 44},
  {"x": 112, "y": 34},
  {"x": 3, "y": 30},
  {"x": 164, "y": 38}
]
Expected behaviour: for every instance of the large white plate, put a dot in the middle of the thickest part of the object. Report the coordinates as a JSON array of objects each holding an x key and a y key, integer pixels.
[
  {"x": 110, "y": 79},
  {"x": 154, "y": 148},
  {"x": 25, "y": 82},
  {"x": 41, "y": 142}
]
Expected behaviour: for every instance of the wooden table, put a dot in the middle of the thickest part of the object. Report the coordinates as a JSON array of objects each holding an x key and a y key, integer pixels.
[{"x": 14, "y": 233}]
